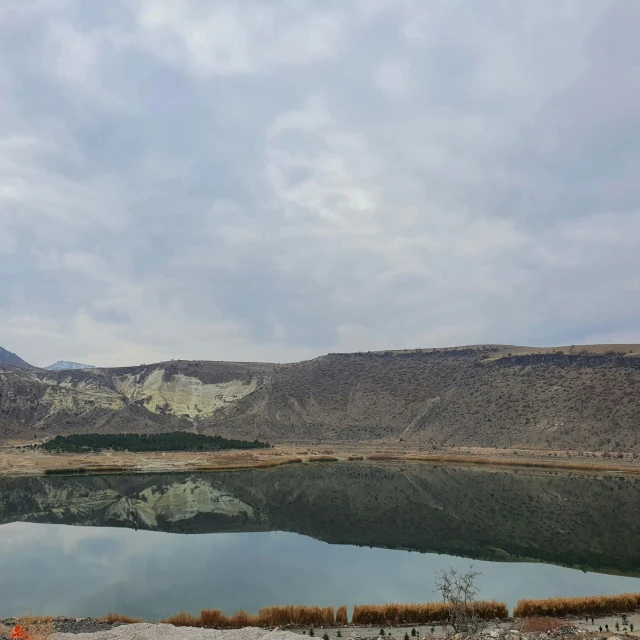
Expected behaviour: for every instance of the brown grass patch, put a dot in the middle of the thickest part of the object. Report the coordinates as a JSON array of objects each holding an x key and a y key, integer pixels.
[
  {"x": 421, "y": 613},
  {"x": 183, "y": 619},
  {"x": 277, "y": 616},
  {"x": 322, "y": 459},
  {"x": 382, "y": 456},
  {"x": 342, "y": 618},
  {"x": 301, "y": 615},
  {"x": 355, "y": 458},
  {"x": 113, "y": 616},
  {"x": 581, "y": 606}
]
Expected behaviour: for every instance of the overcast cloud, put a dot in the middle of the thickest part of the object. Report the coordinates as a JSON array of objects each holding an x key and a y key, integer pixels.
[{"x": 274, "y": 180}]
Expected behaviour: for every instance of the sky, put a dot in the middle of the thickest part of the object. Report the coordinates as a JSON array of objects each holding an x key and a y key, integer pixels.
[{"x": 275, "y": 180}]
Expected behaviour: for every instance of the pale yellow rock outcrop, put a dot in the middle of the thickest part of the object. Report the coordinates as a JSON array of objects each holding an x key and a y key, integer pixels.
[{"x": 184, "y": 395}]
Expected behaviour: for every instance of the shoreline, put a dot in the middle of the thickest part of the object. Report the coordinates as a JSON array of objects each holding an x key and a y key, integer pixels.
[{"x": 17, "y": 460}]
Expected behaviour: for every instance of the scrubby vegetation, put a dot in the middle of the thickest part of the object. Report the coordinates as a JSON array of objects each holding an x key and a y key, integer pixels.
[
  {"x": 582, "y": 606},
  {"x": 174, "y": 441},
  {"x": 119, "y": 617}
]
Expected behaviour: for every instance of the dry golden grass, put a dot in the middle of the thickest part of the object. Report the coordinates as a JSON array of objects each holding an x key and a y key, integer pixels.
[
  {"x": 113, "y": 616},
  {"x": 277, "y": 616},
  {"x": 421, "y": 613},
  {"x": 183, "y": 619},
  {"x": 582, "y": 606},
  {"x": 530, "y": 625},
  {"x": 312, "y": 616},
  {"x": 301, "y": 615}
]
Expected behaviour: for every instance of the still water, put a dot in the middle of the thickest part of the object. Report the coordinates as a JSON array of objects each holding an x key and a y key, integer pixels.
[{"x": 152, "y": 545}]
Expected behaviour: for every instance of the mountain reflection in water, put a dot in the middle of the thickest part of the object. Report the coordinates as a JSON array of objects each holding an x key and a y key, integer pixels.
[{"x": 575, "y": 520}]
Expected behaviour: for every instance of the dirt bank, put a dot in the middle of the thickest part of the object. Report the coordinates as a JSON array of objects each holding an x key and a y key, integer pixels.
[{"x": 18, "y": 459}]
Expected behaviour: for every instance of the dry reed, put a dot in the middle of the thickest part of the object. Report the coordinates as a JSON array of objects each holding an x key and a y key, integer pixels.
[
  {"x": 342, "y": 618},
  {"x": 355, "y": 458},
  {"x": 113, "y": 616},
  {"x": 278, "y": 616},
  {"x": 183, "y": 619},
  {"x": 322, "y": 459},
  {"x": 301, "y": 615},
  {"x": 581, "y": 606},
  {"x": 421, "y": 613}
]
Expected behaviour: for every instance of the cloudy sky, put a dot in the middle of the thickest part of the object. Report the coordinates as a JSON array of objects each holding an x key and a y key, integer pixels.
[{"x": 277, "y": 179}]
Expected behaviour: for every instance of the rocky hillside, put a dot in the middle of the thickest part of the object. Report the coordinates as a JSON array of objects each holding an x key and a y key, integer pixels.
[
  {"x": 151, "y": 399},
  {"x": 490, "y": 395}
]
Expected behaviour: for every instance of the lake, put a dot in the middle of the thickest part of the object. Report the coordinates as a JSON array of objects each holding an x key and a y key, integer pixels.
[{"x": 327, "y": 534}]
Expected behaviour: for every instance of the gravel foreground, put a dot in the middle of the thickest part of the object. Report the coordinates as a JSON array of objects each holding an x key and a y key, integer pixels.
[{"x": 146, "y": 631}]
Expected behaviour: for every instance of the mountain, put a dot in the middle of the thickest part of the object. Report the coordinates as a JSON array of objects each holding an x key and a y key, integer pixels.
[
  {"x": 494, "y": 514},
  {"x": 65, "y": 365},
  {"x": 487, "y": 396},
  {"x": 12, "y": 358}
]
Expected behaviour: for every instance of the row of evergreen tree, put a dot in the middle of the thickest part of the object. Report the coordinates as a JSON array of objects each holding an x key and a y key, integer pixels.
[{"x": 174, "y": 441}]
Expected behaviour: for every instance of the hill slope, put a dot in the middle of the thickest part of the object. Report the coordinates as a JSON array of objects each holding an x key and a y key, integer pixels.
[
  {"x": 11, "y": 358},
  {"x": 490, "y": 395}
]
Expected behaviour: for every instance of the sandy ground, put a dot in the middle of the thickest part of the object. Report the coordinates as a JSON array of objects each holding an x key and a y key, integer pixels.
[{"x": 15, "y": 459}]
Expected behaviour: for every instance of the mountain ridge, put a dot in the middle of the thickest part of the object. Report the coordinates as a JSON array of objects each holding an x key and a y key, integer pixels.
[
  {"x": 11, "y": 358},
  {"x": 480, "y": 395},
  {"x": 67, "y": 365}
]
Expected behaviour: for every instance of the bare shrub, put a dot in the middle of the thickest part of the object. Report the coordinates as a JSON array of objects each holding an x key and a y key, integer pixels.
[{"x": 459, "y": 591}]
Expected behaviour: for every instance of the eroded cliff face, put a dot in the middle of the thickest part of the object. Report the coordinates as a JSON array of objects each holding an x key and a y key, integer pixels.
[
  {"x": 182, "y": 395},
  {"x": 51, "y": 402}
]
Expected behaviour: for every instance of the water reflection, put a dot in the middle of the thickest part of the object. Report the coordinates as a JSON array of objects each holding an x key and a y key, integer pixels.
[
  {"x": 54, "y": 569},
  {"x": 484, "y": 514}
]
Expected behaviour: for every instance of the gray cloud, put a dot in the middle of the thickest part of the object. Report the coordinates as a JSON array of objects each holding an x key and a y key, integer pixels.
[{"x": 278, "y": 180}]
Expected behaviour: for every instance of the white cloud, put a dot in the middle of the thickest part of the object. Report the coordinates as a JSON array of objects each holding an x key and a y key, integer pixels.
[
  {"x": 275, "y": 181},
  {"x": 394, "y": 78},
  {"x": 237, "y": 38}
]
